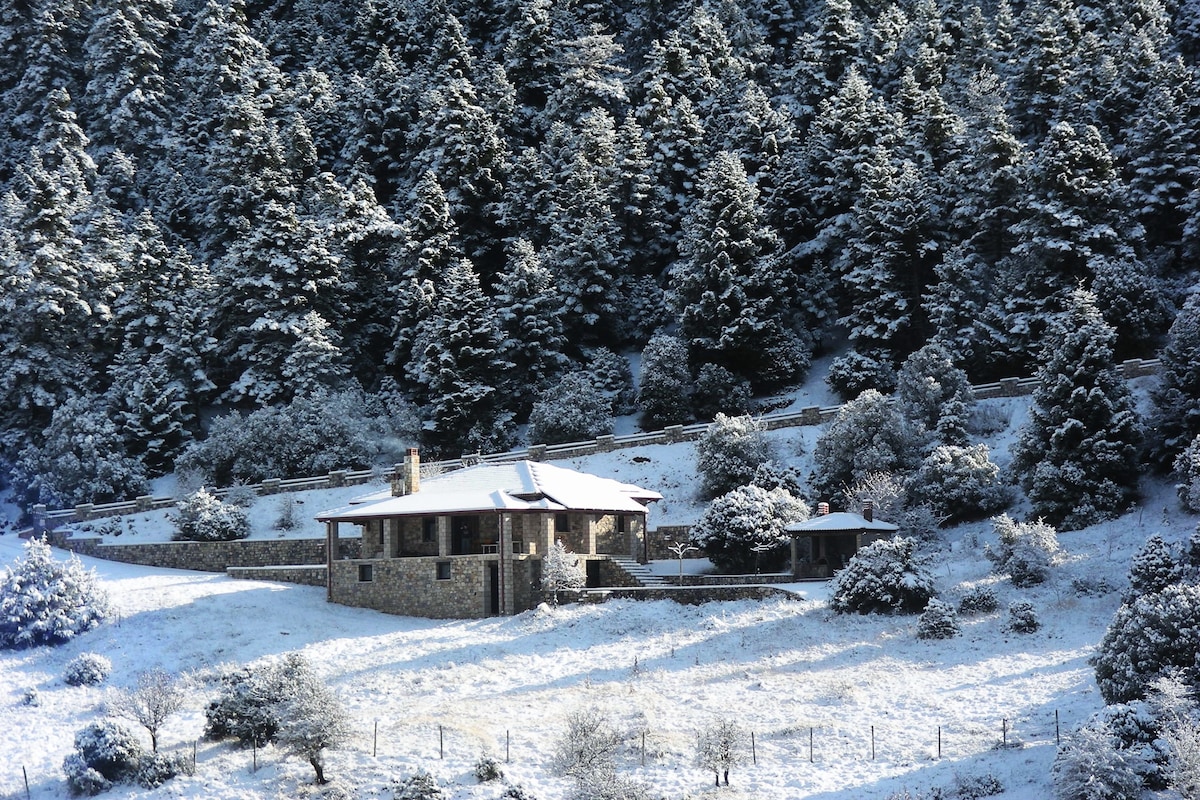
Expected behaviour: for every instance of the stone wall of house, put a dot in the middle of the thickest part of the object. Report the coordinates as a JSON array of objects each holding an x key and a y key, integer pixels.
[
  {"x": 410, "y": 586},
  {"x": 209, "y": 556},
  {"x": 304, "y": 574},
  {"x": 660, "y": 539}
]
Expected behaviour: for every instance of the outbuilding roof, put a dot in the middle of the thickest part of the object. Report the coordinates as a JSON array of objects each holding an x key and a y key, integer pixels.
[
  {"x": 841, "y": 522},
  {"x": 515, "y": 486}
]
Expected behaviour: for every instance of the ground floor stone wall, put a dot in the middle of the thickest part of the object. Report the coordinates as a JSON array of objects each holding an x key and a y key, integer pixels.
[
  {"x": 690, "y": 595},
  {"x": 305, "y": 575}
]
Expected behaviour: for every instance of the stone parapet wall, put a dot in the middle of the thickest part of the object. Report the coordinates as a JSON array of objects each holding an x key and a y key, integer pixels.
[
  {"x": 688, "y": 595},
  {"x": 209, "y": 556},
  {"x": 732, "y": 580}
]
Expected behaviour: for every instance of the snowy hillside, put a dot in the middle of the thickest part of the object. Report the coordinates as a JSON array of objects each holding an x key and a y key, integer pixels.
[{"x": 787, "y": 670}]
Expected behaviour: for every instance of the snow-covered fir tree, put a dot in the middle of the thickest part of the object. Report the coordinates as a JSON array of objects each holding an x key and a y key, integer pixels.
[{"x": 46, "y": 601}]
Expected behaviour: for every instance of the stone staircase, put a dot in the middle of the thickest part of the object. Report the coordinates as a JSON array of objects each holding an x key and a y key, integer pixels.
[{"x": 639, "y": 572}]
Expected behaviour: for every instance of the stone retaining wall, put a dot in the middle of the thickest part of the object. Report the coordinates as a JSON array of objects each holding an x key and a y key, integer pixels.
[
  {"x": 688, "y": 595},
  {"x": 733, "y": 580},
  {"x": 304, "y": 574},
  {"x": 208, "y": 556}
]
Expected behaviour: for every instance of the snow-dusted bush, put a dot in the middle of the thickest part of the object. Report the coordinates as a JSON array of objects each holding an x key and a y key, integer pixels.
[
  {"x": 854, "y": 373},
  {"x": 202, "y": 517},
  {"x": 517, "y": 792},
  {"x": 664, "y": 383},
  {"x": 775, "y": 475},
  {"x": 312, "y": 718},
  {"x": 158, "y": 768},
  {"x": 1091, "y": 765},
  {"x": 1022, "y": 617},
  {"x": 729, "y": 453},
  {"x": 587, "y": 748},
  {"x": 1187, "y": 473},
  {"x": 285, "y": 517},
  {"x": 883, "y": 576},
  {"x": 487, "y": 769},
  {"x": 978, "y": 600},
  {"x": 44, "y": 601},
  {"x": 973, "y": 787},
  {"x": 959, "y": 483},
  {"x": 1154, "y": 568},
  {"x": 87, "y": 669},
  {"x": 250, "y": 705},
  {"x": 1026, "y": 550},
  {"x": 106, "y": 748},
  {"x": 561, "y": 571},
  {"x": 82, "y": 459},
  {"x": 934, "y": 393},
  {"x": 867, "y": 435},
  {"x": 310, "y": 436},
  {"x": 614, "y": 379},
  {"x": 1148, "y": 638},
  {"x": 716, "y": 390},
  {"x": 939, "y": 620},
  {"x": 82, "y": 780},
  {"x": 157, "y": 696},
  {"x": 572, "y": 410},
  {"x": 883, "y": 490},
  {"x": 748, "y": 517},
  {"x": 721, "y": 747},
  {"x": 418, "y": 786}
]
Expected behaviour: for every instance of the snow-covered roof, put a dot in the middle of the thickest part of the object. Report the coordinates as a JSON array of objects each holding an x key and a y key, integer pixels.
[
  {"x": 841, "y": 522},
  {"x": 517, "y": 486}
]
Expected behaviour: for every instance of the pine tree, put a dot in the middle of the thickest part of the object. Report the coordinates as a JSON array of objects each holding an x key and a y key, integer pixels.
[
  {"x": 458, "y": 368},
  {"x": 935, "y": 393},
  {"x": 663, "y": 383},
  {"x": 1175, "y": 420},
  {"x": 728, "y": 287},
  {"x": 1077, "y": 456},
  {"x": 1154, "y": 568},
  {"x": 43, "y": 601}
]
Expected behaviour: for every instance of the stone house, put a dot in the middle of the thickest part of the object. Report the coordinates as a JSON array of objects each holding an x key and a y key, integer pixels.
[
  {"x": 822, "y": 544},
  {"x": 469, "y": 543}
]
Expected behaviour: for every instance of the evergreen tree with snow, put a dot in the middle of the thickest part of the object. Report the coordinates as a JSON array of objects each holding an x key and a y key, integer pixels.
[
  {"x": 743, "y": 530},
  {"x": 729, "y": 454},
  {"x": 1077, "y": 456},
  {"x": 935, "y": 394},
  {"x": 572, "y": 410},
  {"x": 729, "y": 288},
  {"x": 1175, "y": 419},
  {"x": 45, "y": 601},
  {"x": 529, "y": 307},
  {"x": 458, "y": 368},
  {"x": 151, "y": 410},
  {"x": 869, "y": 434},
  {"x": 664, "y": 383},
  {"x": 1154, "y": 567}
]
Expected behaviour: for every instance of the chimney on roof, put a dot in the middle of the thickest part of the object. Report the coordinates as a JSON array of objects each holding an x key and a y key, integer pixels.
[
  {"x": 822, "y": 509},
  {"x": 869, "y": 510},
  {"x": 406, "y": 477}
]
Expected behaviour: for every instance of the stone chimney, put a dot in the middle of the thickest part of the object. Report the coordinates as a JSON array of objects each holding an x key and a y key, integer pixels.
[
  {"x": 869, "y": 510},
  {"x": 822, "y": 509},
  {"x": 406, "y": 477}
]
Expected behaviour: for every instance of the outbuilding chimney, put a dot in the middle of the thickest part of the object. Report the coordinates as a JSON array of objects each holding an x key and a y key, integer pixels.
[
  {"x": 822, "y": 509},
  {"x": 869, "y": 510}
]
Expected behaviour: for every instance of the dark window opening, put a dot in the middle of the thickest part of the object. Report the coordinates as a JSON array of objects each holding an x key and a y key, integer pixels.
[
  {"x": 366, "y": 573},
  {"x": 428, "y": 529},
  {"x": 443, "y": 570},
  {"x": 562, "y": 523}
]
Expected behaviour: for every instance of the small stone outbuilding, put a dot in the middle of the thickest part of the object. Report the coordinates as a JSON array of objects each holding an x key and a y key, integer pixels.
[
  {"x": 470, "y": 542},
  {"x": 824, "y": 543}
]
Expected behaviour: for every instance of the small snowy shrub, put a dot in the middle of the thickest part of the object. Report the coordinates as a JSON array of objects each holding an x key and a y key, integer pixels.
[
  {"x": 1026, "y": 550},
  {"x": 561, "y": 571},
  {"x": 82, "y": 780},
  {"x": 587, "y": 748},
  {"x": 746, "y": 518},
  {"x": 487, "y": 769},
  {"x": 978, "y": 600},
  {"x": 973, "y": 787},
  {"x": 1092, "y": 766},
  {"x": 517, "y": 792},
  {"x": 107, "y": 748},
  {"x": 30, "y": 697},
  {"x": 1148, "y": 638},
  {"x": 572, "y": 410},
  {"x": 87, "y": 669},
  {"x": 418, "y": 786},
  {"x": 158, "y": 768},
  {"x": 285, "y": 518},
  {"x": 854, "y": 373},
  {"x": 721, "y": 747},
  {"x": 959, "y": 483},
  {"x": 1154, "y": 568},
  {"x": 883, "y": 576},
  {"x": 202, "y": 517},
  {"x": 1187, "y": 472},
  {"x": 939, "y": 620},
  {"x": 729, "y": 453},
  {"x": 716, "y": 390},
  {"x": 249, "y": 707},
  {"x": 1022, "y": 617},
  {"x": 44, "y": 601}
]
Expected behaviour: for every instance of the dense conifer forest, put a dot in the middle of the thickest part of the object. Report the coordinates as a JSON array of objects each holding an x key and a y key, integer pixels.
[{"x": 434, "y": 216}]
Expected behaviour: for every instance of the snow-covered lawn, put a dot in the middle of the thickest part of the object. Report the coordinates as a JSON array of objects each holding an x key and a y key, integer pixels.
[{"x": 787, "y": 670}]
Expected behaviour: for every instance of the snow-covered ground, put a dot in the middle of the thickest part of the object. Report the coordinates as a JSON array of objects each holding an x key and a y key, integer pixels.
[{"x": 815, "y": 688}]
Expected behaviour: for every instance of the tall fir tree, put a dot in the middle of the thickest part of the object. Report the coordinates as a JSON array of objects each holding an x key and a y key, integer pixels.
[
  {"x": 1175, "y": 419},
  {"x": 1077, "y": 456}
]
